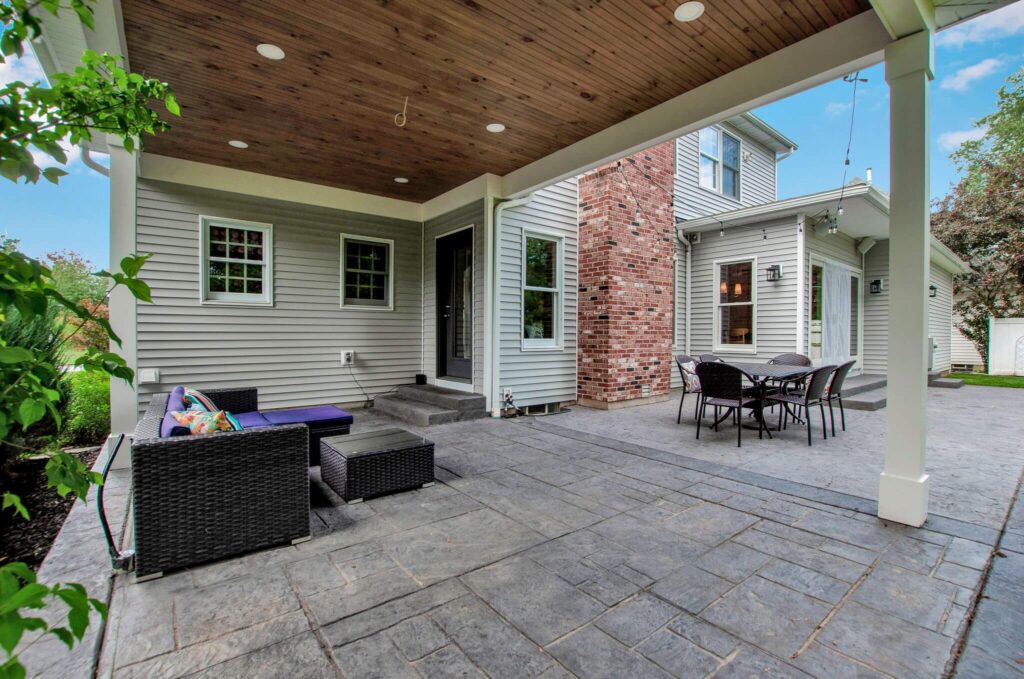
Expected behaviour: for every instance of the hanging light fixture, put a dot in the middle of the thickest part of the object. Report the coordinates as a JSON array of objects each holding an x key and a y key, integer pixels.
[
  {"x": 724, "y": 288},
  {"x": 738, "y": 290}
]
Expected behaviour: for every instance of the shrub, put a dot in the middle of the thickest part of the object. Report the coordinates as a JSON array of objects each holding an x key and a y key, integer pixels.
[{"x": 87, "y": 413}]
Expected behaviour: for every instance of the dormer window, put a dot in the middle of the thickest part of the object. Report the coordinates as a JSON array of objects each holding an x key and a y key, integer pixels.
[{"x": 720, "y": 162}]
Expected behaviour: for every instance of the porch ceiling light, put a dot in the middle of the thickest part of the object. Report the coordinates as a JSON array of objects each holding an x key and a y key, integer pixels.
[
  {"x": 689, "y": 11},
  {"x": 495, "y": 128},
  {"x": 272, "y": 52},
  {"x": 238, "y": 144},
  {"x": 401, "y": 180}
]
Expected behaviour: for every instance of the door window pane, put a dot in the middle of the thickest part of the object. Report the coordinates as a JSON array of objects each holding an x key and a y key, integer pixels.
[
  {"x": 816, "y": 311},
  {"x": 366, "y": 279}
]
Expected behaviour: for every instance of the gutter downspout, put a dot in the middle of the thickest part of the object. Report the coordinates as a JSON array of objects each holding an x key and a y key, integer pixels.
[
  {"x": 494, "y": 257},
  {"x": 686, "y": 292},
  {"x": 90, "y": 162}
]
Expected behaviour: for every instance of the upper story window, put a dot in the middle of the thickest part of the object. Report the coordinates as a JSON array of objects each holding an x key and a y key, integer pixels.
[
  {"x": 542, "y": 291},
  {"x": 237, "y": 261},
  {"x": 719, "y": 161},
  {"x": 366, "y": 272}
]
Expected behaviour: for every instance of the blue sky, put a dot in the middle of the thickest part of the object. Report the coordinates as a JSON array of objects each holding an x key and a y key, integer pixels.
[{"x": 971, "y": 60}]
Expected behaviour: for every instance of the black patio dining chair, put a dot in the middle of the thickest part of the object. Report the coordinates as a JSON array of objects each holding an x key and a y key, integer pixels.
[
  {"x": 834, "y": 393},
  {"x": 812, "y": 395},
  {"x": 722, "y": 386},
  {"x": 710, "y": 358},
  {"x": 791, "y": 359},
  {"x": 691, "y": 383}
]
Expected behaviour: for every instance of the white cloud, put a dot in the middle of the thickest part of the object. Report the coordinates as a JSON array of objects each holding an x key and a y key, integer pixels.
[
  {"x": 1001, "y": 23},
  {"x": 949, "y": 141},
  {"x": 836, "y": 107},
  {"x": 25, "y": 69},
  {"x": 963, "y": 78}
]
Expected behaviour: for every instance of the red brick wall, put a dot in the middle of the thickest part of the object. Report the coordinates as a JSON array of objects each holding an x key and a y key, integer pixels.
[{"x": 625, "y": 277}]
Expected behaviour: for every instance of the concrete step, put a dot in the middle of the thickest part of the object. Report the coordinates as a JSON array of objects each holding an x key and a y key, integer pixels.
[
  {"x": 946, "y": 383},
  {"x": 865, "y": 400},
  {"x": 448, "y": 399},
  {"x": 414, "y": 412},
  {"x": 858, "y": 384}
]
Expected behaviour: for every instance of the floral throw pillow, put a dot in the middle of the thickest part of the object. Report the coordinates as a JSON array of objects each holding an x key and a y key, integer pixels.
[
  {"x": 195, "y": 399},
  {"x": 202, "y": 422},
  {"x": 690, "y": 375}
]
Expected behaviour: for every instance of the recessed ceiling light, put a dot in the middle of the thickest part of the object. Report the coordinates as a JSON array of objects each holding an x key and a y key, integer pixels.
[
  {"x": 401, "y": 180},
  {"x": 689, "y": 11},
  {"x": 238, "y": 144},
  {"x": 495, "y": 127},
  {"x": 270, "y": 51}
]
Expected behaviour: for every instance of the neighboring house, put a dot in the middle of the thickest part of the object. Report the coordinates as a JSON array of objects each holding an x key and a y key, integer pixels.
[{"x": 965, "y": 355}]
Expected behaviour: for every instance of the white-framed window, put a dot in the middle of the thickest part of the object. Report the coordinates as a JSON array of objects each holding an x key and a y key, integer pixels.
[
  {"x": 719, "y": 159},
  {"x": 367, "y": 272},
  {"x": 735, "y": 297},
  {"x": 237, "y": 262},
  {"x": 542, "y": 291}
]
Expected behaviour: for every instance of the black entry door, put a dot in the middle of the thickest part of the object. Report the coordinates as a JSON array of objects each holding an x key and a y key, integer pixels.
[{"x": 455, "y": 305}]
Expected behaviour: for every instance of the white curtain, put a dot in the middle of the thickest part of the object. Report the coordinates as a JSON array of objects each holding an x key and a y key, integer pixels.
[{"x": 835, "y": 323}]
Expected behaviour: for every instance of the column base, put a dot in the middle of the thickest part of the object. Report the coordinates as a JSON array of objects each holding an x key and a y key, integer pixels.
[{"x": 903, "y": 500}]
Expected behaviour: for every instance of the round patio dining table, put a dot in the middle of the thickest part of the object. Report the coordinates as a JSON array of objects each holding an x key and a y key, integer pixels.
[{"x": 760, "y": 374}]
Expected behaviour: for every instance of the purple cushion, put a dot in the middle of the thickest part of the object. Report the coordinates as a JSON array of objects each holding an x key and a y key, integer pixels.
[
  {"x": 176, "y": 400},
  {"x": 321, "y": 416},
  {"x": 251, "y": 420},
  {"x": 169, "y": 426}
]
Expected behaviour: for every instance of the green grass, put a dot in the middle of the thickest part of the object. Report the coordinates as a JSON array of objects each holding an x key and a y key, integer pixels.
[{"x": 990, "y": 380}]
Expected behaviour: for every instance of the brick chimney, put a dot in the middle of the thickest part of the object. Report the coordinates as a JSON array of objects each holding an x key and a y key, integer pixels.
[{"x": 626, "y": 280}]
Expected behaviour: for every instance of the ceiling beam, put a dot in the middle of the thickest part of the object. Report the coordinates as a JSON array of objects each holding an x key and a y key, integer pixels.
[
  {"x": 854, "y": 44},
  {"x": 905, "y": 17}
]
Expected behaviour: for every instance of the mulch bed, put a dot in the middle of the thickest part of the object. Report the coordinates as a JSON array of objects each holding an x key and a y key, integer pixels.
[{"x": 30, "y": 541}]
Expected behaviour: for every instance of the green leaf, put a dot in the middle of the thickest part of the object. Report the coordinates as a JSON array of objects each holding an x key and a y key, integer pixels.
[
  {"x": 172, "y": 104},
  {"x": 139, "y": 289},
  {"x": 53, "y": 174},
  {"x": 12, "y": 500},
  {"x": 11, "y": 355},
  {"x": 31, "y": 411}
]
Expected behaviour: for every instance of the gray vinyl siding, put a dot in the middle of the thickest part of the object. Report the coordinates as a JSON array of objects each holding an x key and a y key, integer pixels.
[
  {"x": 775, "y": 330},
  {"x": 940, "y": 317},
  {"x": 539, "y": 376},
  {"x": 467, "y": 215},
  {"x": 876, "y": 310},
  {"x": 962, "y": 350},
  {"x": 290, "y": 351},
  {"x": 757, "y": 178}
]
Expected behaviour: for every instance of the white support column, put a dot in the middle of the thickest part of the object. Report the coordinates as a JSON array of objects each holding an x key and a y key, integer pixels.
[
  {"x": 801, "y": 282},
  {"x": 123, "y": 401},
  {"x": 903, "y": 491}
]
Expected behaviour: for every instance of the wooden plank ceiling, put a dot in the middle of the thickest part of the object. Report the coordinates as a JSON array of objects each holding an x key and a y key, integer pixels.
[{"x": 552, "y": 71}]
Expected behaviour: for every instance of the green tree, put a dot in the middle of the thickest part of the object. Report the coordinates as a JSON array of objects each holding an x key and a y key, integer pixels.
[
  {"x": 99, "y": 96},
  {"x": 72, "y": 274},
  {"x": 982, "y": 218}
]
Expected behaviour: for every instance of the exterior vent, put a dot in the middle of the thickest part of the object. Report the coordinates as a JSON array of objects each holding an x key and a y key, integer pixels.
[
  {"x": 645, "y": 391},
  {"x": 543, "y": 409}
]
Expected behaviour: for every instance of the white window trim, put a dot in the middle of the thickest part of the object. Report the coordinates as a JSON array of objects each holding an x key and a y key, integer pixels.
[
  {"x": 390, "y": 306},
  {"x": 716, "y": 305},
  {"x": 555, "y": 343},
  {"x": 207, "y": 298},
  {"x": 719, "y": 164},
  {"x": 817, "y": 259}
]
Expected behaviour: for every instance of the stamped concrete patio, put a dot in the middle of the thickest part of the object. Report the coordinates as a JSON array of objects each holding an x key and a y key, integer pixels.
[{"x": 551, "y": 549}]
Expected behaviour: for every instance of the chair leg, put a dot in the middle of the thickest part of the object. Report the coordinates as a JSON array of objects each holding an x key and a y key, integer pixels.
[
  {"x": 842, "y": 413},
  {"x": 782, "y": 410},
  {"x": 679, "y": 416},
  {"x": 696, "y": 408},
  {"x": 739, "y": 430},
  {"x": 824, "y": 429},
  {"x": 808, "y": 427},
  {"x": 701, "y": 404},
  {"x": 832, "y": 416}
]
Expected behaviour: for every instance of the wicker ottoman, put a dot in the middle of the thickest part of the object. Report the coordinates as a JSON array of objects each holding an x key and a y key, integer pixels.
[{"x": 359, "y": 466}]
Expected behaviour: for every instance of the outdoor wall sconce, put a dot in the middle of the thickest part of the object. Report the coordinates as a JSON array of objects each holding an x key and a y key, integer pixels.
[
  {"x": 877, "y": 286},
  {"x": 774, "y": 272},
  {"x": 933, "y": 291}
]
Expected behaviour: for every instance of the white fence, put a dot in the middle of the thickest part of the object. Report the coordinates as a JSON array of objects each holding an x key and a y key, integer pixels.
[{"x": 1006, "y": 346}]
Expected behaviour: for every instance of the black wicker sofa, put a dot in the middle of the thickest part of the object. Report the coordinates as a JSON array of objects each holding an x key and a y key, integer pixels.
[{"x": 205, "y": 497}]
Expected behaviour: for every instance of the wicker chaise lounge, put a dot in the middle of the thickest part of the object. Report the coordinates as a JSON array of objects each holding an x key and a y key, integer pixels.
[{"x": 205, "y": 497}]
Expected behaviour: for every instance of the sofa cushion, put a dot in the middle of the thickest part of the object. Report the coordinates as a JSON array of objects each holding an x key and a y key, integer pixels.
[
  {"x": 170, "y": 426},
  {"x": 176, "y": 400},
  {"x": 316, "y": 416},
  {"x": 252, "y": 420}
]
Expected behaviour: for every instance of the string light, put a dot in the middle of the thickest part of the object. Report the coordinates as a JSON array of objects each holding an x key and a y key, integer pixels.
[{"x": 855, "y": 79}]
